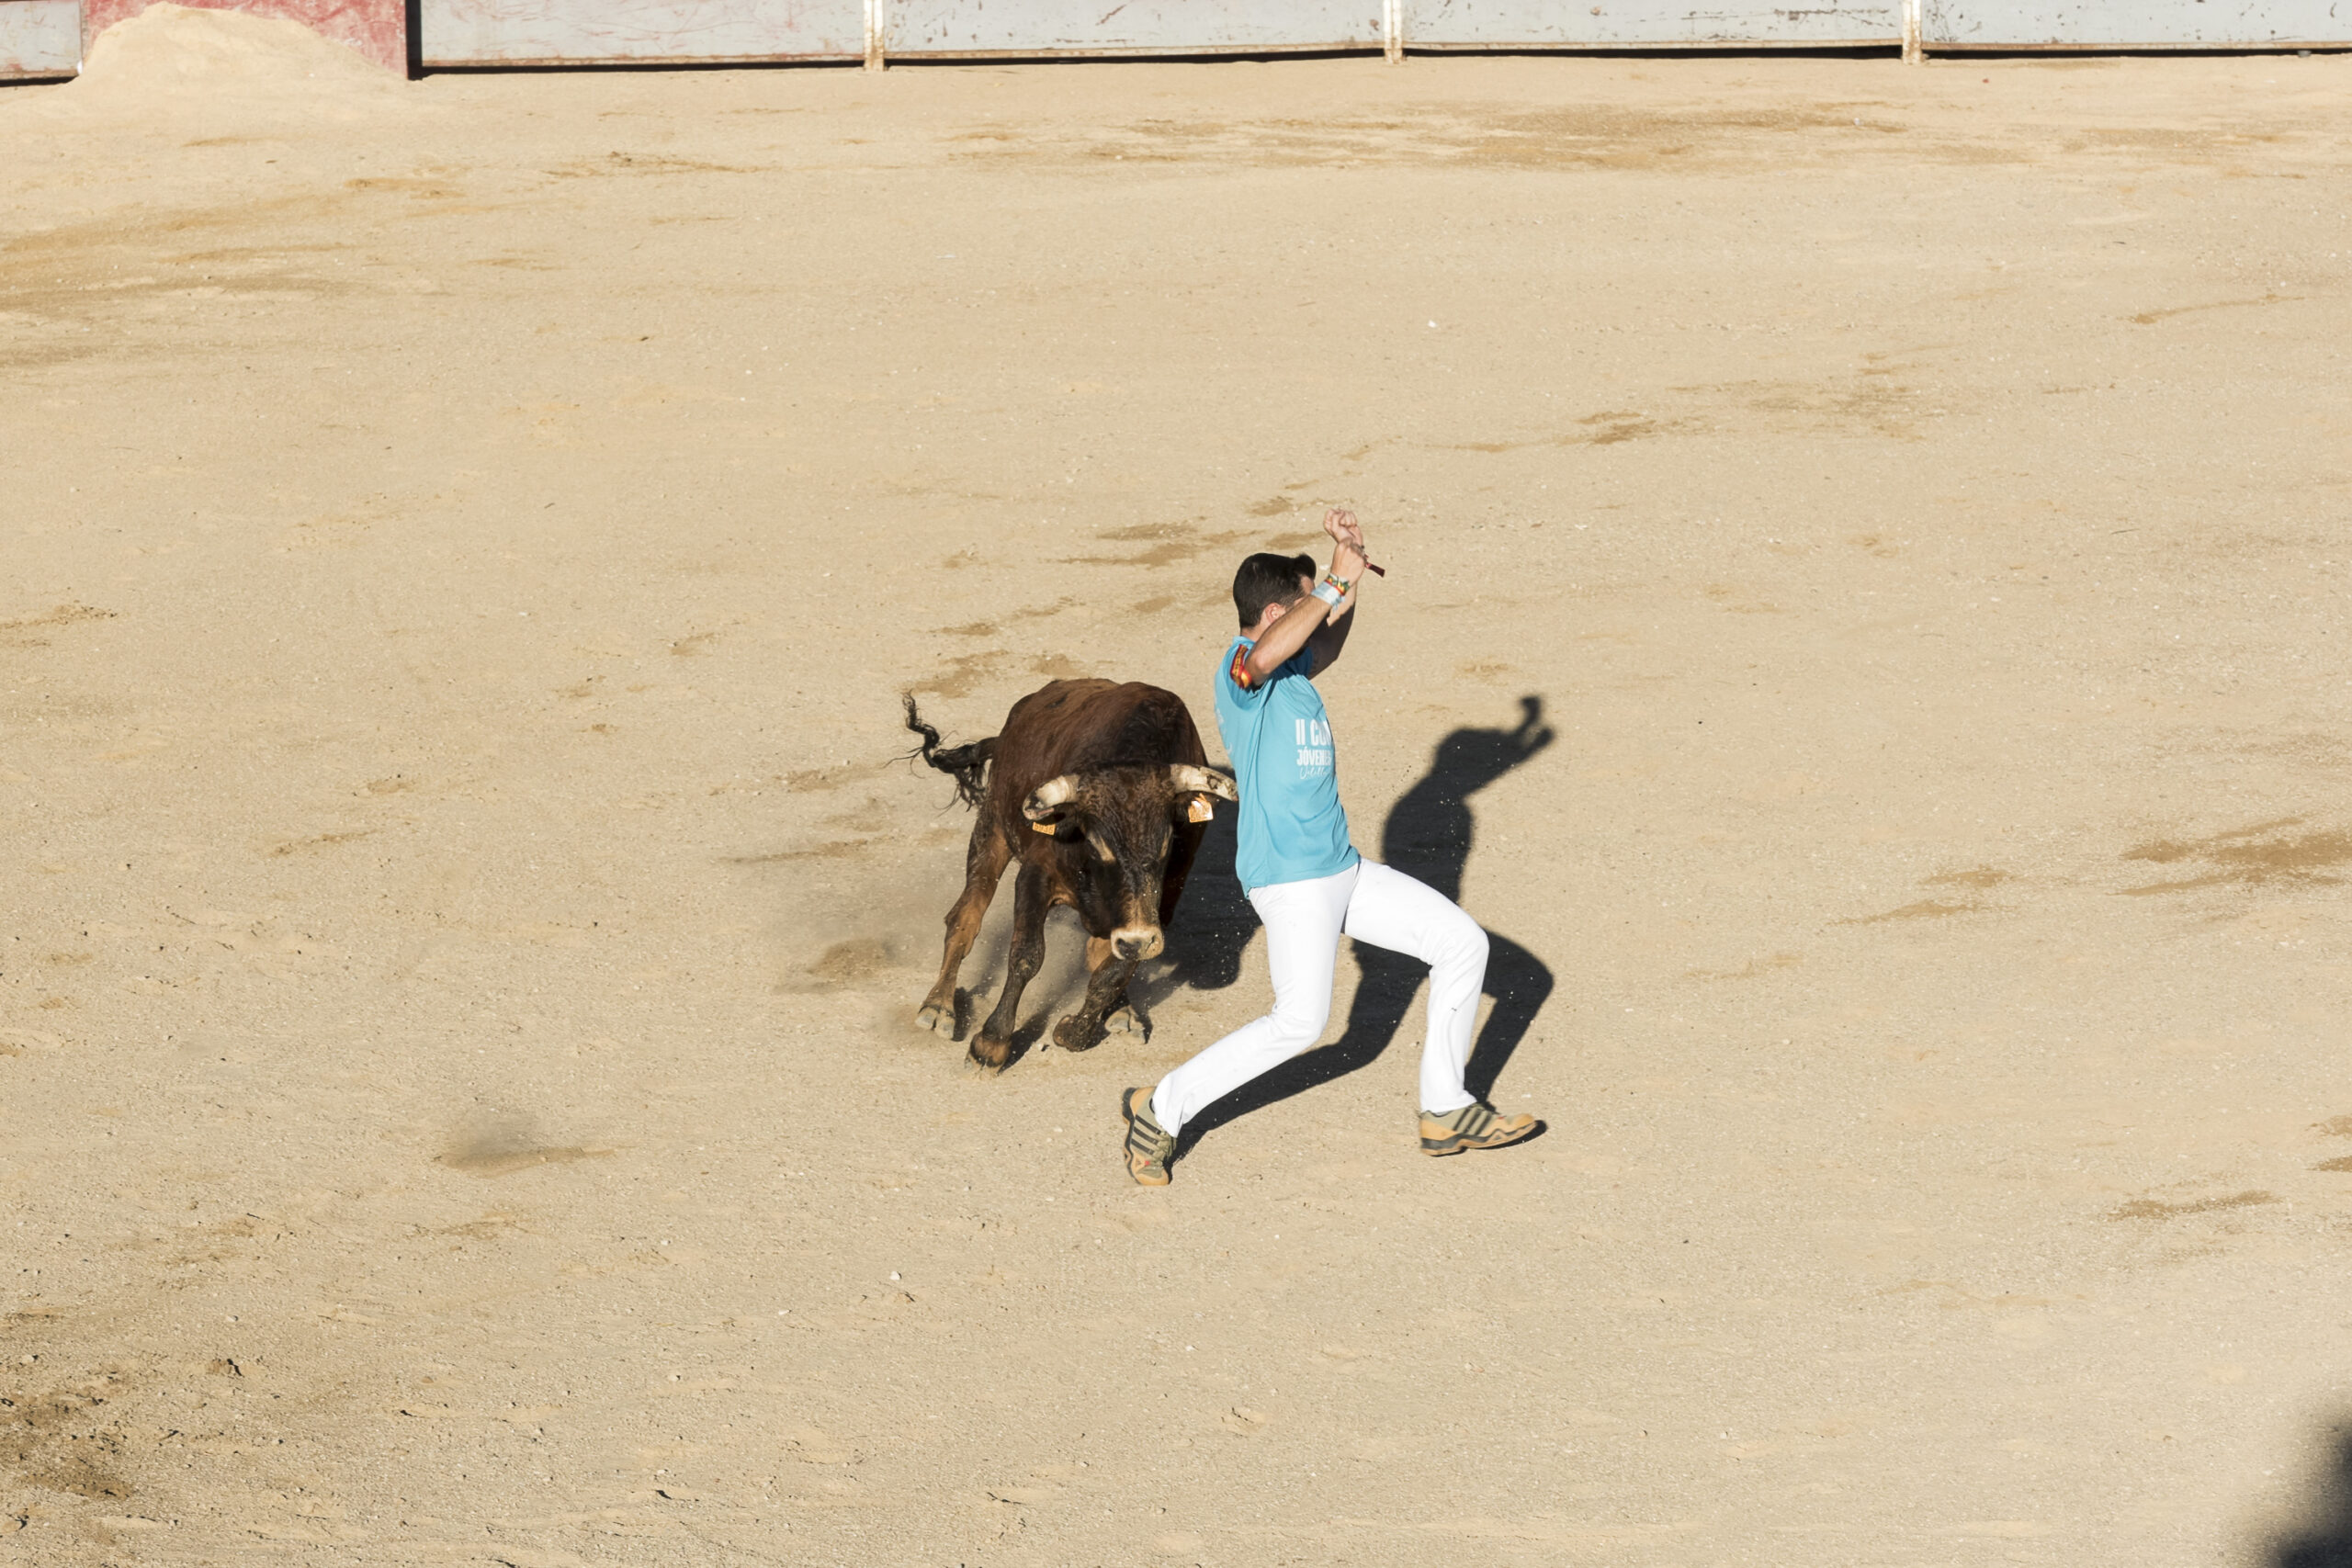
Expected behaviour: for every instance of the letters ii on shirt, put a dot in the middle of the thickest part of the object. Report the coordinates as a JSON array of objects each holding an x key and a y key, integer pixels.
[{"x": 1313, "y": 739}]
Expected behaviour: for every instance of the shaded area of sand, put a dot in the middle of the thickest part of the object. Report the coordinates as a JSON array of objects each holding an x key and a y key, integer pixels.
[{"x": 458, "y": 910}]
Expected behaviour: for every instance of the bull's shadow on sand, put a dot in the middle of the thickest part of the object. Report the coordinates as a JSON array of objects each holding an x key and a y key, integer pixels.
[
  {"x": 2325, "y": 1540},
  {"x": 1429, "y": 835}
]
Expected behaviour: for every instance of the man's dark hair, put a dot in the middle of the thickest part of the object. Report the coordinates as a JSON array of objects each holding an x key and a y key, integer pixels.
[{"x": 1268, "y": 578}]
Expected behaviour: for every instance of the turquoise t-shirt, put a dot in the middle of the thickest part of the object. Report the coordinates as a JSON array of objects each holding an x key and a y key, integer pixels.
[{"x": 1290, "y": 824}]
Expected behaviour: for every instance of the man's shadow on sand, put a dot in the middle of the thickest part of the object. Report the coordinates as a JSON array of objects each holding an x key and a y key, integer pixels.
[
  {"x": 1428, "y": 835},
  {"x": 2326, "y": 1541}
]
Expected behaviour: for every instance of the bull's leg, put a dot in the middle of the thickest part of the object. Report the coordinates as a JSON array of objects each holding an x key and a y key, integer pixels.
[
  {"x": 992, "y": 1047},
  {"x": 1119, "y": 1016},
  {"x": 984, "y": 862},
  {"x": 1106, "y": 997}
]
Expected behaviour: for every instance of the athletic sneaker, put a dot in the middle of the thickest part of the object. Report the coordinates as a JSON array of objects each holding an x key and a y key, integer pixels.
[
  {"x": 1475, "y": 1126},
  {"x": 1147, "y": 1147}
]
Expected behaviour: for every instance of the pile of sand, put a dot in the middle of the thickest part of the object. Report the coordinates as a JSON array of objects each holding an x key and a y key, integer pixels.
[
  {"x": 171, "y": 48},
  {"x": 175, "y": 65}
]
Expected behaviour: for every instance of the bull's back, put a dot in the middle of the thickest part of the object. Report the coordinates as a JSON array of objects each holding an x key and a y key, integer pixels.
[{"x": 1078, "y": 727}]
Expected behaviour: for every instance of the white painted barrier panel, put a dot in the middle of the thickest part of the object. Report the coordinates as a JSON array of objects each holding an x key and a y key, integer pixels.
[
  {"x": 2133, "y": 24},
  {"x": 39, "y": 37},
  {"x": 557, "y": 32},
  {"x": 1648, "y": 24},
  {"x": 1139, "y": 27}
]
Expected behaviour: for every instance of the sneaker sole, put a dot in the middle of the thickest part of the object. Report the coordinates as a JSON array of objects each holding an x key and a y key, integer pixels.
[{"x": 1459, "y": 1143}]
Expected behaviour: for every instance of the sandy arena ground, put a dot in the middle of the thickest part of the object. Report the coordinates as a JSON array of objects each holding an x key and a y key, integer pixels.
[{"x": 1865, "y": 629}]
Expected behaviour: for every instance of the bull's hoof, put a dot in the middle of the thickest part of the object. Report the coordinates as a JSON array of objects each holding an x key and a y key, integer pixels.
[
  {"x": 990, "y": 1054},
  {"x": 1075, "y": 1033},
  {"x": 937, "y": 1019},
  {"x": 1125, "y": 1019}
]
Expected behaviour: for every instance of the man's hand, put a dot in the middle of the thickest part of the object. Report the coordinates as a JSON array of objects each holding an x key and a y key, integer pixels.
[{"x": 1348, "y": 557}]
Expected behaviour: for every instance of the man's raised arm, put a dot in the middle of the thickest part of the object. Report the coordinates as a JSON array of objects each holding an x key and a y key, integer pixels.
[
  {"x": 1315, "y": 621},
  {"x": 1348, "y": 562}
]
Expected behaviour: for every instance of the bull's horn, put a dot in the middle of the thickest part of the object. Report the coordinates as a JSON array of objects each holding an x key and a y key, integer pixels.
[
  {"x": 1050, "y": 797},
  {"x": 1190, "y": 780}
]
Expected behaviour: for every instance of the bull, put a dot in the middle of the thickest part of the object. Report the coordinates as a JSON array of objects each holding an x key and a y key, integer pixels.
[{"x": 1101, "y": 791}]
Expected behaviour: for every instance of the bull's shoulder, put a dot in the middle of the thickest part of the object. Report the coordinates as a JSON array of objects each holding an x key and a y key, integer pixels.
[{"x": 1158, "y": 720}]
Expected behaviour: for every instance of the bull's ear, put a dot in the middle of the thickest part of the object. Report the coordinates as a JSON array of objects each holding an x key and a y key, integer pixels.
[
  {"x": 1049, "y": 798},
  {"x": 1190, "y": 780}
]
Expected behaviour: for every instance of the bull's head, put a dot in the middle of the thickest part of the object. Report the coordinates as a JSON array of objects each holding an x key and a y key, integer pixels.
[{"x": 1126, "y": 819}]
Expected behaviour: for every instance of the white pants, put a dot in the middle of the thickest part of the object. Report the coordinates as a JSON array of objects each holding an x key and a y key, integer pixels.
[{"x": 1304, "y": 923}]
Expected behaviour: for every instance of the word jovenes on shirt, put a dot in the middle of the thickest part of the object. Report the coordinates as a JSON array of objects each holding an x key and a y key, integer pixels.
[{"x": 1314, "y": 742}]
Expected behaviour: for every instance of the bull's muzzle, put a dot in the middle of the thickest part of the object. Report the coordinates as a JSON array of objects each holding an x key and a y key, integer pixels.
[{"x": 1134, "y": 942}]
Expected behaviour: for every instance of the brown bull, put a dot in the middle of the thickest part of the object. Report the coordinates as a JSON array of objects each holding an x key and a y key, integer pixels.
[{"x": 1099, "y": 790}]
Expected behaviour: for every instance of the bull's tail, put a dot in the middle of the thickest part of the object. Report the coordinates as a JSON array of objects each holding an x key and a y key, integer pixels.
[{"x": 967, "y": 765}]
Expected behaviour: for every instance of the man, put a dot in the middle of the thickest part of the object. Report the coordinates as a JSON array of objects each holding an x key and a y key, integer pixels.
[{"x": 1305, "y": 878}]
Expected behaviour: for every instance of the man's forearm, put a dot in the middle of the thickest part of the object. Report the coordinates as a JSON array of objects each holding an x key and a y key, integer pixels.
[
  {"x": 1310, "y": 623},
  {"x": 1283, "y": 639}
]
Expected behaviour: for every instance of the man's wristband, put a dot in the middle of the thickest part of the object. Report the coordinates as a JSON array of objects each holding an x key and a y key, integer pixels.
[{"x": 1328, "y": 594}]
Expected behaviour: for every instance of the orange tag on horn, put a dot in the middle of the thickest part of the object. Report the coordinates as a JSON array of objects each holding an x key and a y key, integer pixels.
[{"x": 1200, "y": 810}]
